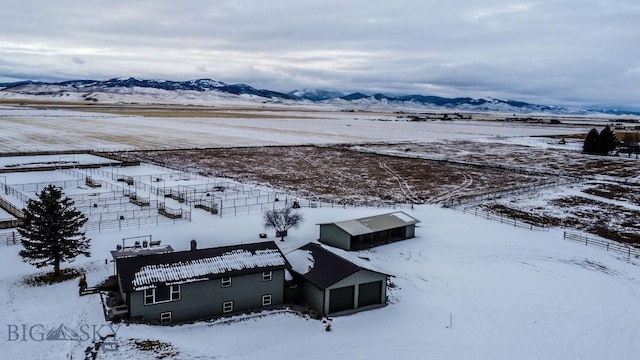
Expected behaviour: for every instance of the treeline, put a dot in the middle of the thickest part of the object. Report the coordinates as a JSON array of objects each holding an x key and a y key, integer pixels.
[{"x": 603, "y": 142}]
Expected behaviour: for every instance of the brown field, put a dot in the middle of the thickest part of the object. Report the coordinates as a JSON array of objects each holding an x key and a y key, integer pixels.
[
  {"x": 340, "y": 174},
  {"x": 345, "y": 175},
  {"x": 599, "y": 195}
]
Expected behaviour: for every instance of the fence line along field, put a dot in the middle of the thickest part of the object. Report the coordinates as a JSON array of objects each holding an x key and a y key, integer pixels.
[
  {"x": 537, "y": 179},
  {"x": 544, "y": 193}
]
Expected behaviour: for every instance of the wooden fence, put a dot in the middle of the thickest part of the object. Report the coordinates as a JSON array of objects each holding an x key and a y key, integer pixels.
[
  {"x": 135, "y": 222},
  {"x": 501, "y": 218},
  {"x": 622, "y": 249},
  {"x": 509, "y": 192},
  {"x": 10, "y": 237}
]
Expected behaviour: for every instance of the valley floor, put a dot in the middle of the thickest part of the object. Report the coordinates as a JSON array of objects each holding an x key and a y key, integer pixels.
[{"x": 464, "y": 288}]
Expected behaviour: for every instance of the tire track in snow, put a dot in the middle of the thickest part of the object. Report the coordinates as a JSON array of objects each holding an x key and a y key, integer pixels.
[
  {"x": 403, "y": 185},
  {"x": 447, "y": 194}
]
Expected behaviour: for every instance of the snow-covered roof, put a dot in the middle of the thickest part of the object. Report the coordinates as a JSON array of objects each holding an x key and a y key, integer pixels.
[
  {"x": 138, "y": 251},
  {"x": 301, "y": 260},
  {"x": 327, "y": 268},
  {"x": 142, "y": 272},
  {"x": 376, "y": 223}
]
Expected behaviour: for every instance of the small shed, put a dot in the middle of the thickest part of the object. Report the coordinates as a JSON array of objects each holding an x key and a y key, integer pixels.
[
  {"x": 334, "y": 285},
  {"x": 368, "y": 232}
]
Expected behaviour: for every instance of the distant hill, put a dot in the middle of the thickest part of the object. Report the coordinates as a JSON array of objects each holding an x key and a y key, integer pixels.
[{"x": 131, "y": 85}]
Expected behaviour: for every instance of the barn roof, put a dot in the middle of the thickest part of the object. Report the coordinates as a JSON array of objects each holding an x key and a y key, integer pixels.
[
  {"x": 149, "y": 271},
  {"x": 320, "y": 266},
  {"x": 376, "y": 223}
]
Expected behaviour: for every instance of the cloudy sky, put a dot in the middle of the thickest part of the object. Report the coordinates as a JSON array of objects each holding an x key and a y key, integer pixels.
[{"x": 565, "y": 52}]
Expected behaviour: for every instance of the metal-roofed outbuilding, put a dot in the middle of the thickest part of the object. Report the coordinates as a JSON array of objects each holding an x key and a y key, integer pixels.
[{"x": 368, "y": 232}]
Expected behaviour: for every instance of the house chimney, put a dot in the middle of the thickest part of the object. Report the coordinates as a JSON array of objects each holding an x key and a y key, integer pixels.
[{"x": 194, "y": 245}]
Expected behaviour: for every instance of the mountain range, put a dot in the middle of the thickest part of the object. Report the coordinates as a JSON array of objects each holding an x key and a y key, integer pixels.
[{"x": 117, "y": 85}]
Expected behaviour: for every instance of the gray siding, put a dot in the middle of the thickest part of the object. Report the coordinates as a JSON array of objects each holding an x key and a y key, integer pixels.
[
  {"x": 360, "y": 277},
  {"x": 204, "y": 299},
  {"x": 312, "y": 295},
  {"x": 320, "y": 299},
  {"x": 411, "y": 231},
  {"x": 331, "y": 234}
]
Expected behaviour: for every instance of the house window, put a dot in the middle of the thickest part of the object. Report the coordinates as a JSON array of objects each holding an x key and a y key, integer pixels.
[
  {"x": 267, "y": 276},
  {"x": 161, "y": 294},
  {"x": 148, "y": 296},
  {"x": 266, "y": 300},
  {"x": 175, "y": 292},
  {"x": 226, "y": 282},
  {"x": 227, "y": 306},
  {"x": 165, "y": 317}
]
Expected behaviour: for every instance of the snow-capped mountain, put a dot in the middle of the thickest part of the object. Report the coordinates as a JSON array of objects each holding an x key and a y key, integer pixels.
[
  {"x": 315, "y": 95},
  {"x": 132, "y": 85},
  {"x": 111, "y": 84}
]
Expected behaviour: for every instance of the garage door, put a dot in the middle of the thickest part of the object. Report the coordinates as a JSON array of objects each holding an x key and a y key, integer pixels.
[
  {"x": 341, "y": 299},
  {"x": 370, "y": 293}
]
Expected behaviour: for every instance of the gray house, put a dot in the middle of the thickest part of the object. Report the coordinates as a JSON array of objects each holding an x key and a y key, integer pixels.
[
  {"x": 368, "y": 232},
  {"x": 333, "y": 285},
  {"x": 201, "y": 283}
]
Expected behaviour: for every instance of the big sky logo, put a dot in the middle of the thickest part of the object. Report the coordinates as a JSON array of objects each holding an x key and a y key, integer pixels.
[{"x": 104, "y": 334}]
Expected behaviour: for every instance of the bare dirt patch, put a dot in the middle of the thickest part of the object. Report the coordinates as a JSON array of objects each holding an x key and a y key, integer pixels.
[
  {"x": 349, "y": 175},
  {"x": 340, "y": 174},
  {"x": 555, "y": 160},
  {"x": 159, "y": 349},
  {"x": 616, "y": 192},
  {"x": 592, "y": 212},
  {"x": 50, "y": 278},
  {"x": 610, "y": 221}
]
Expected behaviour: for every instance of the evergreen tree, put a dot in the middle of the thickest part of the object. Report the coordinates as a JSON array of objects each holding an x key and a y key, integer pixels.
[
  {"x": 591, "y": 142},
  {"x": 51, "y": 230},
  {"x": 607, "y": 141},
  {"x": 282, "y": 220}
]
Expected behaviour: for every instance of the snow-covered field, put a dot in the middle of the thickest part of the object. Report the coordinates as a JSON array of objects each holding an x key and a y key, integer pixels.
[
  {"x": 464, "y": 288},
  {"x": 26, "y": 129}
]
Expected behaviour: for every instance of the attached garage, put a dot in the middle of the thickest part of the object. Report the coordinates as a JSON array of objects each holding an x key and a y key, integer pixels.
[
  {"x": 333, "y": 285},
  {"x": 341, "y": 299},
  {"x": 369, "y": 293}
]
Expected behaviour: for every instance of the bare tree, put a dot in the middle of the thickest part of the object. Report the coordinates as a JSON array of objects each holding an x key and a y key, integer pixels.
[{"x": 282, "y": 220}]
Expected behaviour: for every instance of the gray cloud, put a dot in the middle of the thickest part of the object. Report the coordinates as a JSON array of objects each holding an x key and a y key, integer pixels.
[{"x": 569, "y": 52}]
